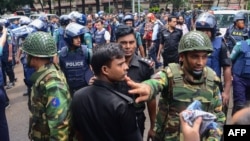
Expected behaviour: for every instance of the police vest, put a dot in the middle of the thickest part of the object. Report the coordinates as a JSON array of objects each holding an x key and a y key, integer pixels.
[
  {"x": 237, "y": 34},
  {"x": 61, "y": 42},
  {"x": 181, "y": 94},
  {"x": 213, "y": 60},
  {"x": 241, "y": 66},
  {"x": 76, "y": 66},
  {"x": 99, "y": 37}
]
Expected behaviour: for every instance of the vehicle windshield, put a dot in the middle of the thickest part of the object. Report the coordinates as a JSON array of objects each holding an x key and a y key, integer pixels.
[{"x": 224, "y": 20}]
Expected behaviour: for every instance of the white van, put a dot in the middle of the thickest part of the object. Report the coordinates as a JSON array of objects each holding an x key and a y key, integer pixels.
[{"x": 225, "y": 18}]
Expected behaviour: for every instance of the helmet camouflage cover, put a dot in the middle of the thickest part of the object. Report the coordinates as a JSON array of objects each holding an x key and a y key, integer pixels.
[
  {"x": 195, "y": 41},
  {"x": 40, "y": 44}
]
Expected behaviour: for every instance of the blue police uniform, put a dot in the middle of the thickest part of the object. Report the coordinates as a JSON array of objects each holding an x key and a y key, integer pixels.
[
  {"x": 214, "y": 59},
  {"x": 4, "y": 131},
  {"x": 241, "y": 74},
  {"x": 234, "y": 35}
]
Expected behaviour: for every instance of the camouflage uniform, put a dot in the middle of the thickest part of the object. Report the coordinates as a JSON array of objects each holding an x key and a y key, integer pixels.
[
  {"x": 179, "y": 89},
  {"x": 50, "y": 97}
]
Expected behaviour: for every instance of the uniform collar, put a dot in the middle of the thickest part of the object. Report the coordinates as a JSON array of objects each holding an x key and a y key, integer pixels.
[{"x": 134, "y": 61}]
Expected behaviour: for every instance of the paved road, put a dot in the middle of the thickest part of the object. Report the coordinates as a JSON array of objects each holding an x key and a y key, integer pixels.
[{"x": 18, "y": 113}]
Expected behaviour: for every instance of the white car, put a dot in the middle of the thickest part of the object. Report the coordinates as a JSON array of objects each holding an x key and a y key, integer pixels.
[
  {"x": 35, "y": 16},
  {"x": 225, "y": 19}
]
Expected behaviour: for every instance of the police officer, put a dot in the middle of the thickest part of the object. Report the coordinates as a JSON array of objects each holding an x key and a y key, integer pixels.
[
  {"x": 87, "y": 37},
  {"x": 236, "y": 31},
  {"x": 219, "y": 59},
  {"x": 28, "y": 71},
  {"x": 169, "y": 40},
  {"x": 50, "y": 115},
  {"x": 241, "y": 74},
  {"x": 4, "y": 132},
  {"x": 182, "y": 84},
  {"x": 58, "y": 34},
  {"x": 74, "y": 58},
  {"x": 129, "y": 21},
  {"x": 7, "y": 60},
  {"x": 139, "y": 69},
  {"x": 101, "y": 35}
]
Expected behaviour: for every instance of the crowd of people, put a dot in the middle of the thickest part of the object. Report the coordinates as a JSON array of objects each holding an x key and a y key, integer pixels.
[{"x": 91, "y": 77}]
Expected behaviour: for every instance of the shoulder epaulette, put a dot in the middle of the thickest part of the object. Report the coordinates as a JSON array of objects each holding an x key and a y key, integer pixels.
[{"x": 146, "y": 61}]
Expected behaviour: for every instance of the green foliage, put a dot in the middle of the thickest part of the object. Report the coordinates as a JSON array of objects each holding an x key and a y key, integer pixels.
[
  {"x": 154, "y": 9},
  {"x": 136, "y": 8},
  {"x": 248, "y": 5},
  {"x": 107, "y": 10},
  {"x": 13, "y": 5}
]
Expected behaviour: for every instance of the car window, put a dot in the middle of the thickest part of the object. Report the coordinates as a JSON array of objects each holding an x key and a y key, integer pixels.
[{"x": 224, "y": 20}]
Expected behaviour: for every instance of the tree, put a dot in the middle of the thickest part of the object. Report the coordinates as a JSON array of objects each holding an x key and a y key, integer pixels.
[
  {"x": 83, "y": 6},
  {"x": 97, "y": 5},
  {"x": 59, "y": 7},
  {"x": 218, "y": 2}
]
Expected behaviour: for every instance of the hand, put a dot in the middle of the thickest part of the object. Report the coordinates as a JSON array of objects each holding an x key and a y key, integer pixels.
[
  {"x": 158, "y": 58},
  {"x": 17, "y": 61},
  {"x": 190, "y": 133},
  {"x": 151, "y": 134},
  {"x": 143, "y": 90},
  {"x": 4, "y": 30},
  {"x": 91, "y": 80},
  {"x": 10, "y": 59},
  {"x": 225, "y": 98}
]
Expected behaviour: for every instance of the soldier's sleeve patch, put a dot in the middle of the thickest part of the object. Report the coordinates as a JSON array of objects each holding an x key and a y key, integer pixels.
[{"x": 55, "y": 102}]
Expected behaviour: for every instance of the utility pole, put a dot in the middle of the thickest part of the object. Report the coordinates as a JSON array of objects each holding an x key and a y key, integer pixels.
[{"x": 133, "y": 6}]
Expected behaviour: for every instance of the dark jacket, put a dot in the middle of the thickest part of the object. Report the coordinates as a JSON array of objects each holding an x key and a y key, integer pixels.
[{"x": 100, "y": 113}]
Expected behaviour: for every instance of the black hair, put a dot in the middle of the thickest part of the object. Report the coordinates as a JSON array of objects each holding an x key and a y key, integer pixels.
[
  {"x": 103, "y": 56},
  {"x": 171, "y": 17},
  {"x": 123, "y": 30}
]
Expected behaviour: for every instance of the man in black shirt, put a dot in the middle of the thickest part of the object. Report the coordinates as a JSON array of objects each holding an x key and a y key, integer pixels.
[
  {"x": 139, "y": 69},
  {"x": 99, "y": 112},
  {"x": 169, "y": 41}
]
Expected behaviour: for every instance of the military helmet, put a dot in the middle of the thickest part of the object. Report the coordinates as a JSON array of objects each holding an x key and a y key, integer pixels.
[
  {"x": 195, "y": 41},
  {"x": 40, "y": 44},
  {"x": 239, "y": 16}
]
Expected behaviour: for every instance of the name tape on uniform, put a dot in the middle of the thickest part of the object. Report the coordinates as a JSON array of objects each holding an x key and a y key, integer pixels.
[{"x": 237, "y": 132}]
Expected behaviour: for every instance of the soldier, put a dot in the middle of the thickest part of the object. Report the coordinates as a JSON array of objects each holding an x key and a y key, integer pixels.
[
  {"x": 3, "y": 96},
  {"x": 74, "y": 58},
  {"x": 219, "y": 59},
  {"x": 99, "y": 112},
  {"x": 180, "y": 85},
  {"x": 139, "y": 69},
  {"x": 240, "y": 57},
  {"x": 50, "y": 97}
]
